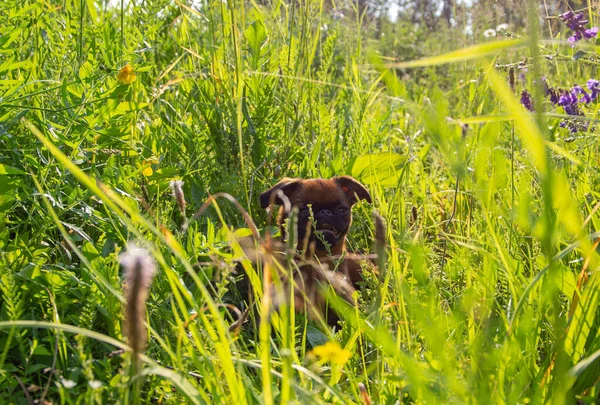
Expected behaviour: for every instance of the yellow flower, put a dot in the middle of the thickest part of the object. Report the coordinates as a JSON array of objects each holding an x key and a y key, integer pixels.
[
  {"x": 331, "y": 351},
  {"x": 147, "y": 165},
  {"x": 126, "y": 75}
]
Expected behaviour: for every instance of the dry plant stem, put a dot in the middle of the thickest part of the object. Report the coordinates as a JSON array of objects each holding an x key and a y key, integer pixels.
[{"x": 24, "y": 388}]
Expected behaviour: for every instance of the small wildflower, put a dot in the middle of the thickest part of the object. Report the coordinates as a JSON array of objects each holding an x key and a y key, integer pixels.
[
  {"x": 577, "y": 23},
  {"x": 331, "y": 351},
  {"x": 68, "y": 384},
  {"x": 127, "y": 75},
  {"x": 489, "y": 33},
  {"x": 550, "y": 91},
  {"x": 527, "y": 100},
  {"x": 568, "y": 100},
  {"x": 147, "y": 166},
  {"x": 95, "y": 384},
  {"x": 502, "y": 27},
  {"x": 590, "y": 33},
  {"x": 586, "y": 98},
  {"x": 593, "y": 86}
]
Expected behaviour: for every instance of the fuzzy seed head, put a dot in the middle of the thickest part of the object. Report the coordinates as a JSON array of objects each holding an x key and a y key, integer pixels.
[
  {"x": 512, "y": 80},
  {"x": 139, "y": 270},
  {"x": 379, "y": 230},
  {"x": 364, "y": 394},
  {"x": 176, "y": 188}
]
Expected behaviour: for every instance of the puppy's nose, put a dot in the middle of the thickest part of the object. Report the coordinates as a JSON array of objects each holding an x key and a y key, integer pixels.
[{"x": 325, "y": 212}]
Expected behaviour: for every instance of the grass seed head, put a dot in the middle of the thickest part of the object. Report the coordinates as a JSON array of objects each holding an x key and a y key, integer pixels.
[
  {"x": 139, "y": 269},
  {"x": 176, "y": 187}
]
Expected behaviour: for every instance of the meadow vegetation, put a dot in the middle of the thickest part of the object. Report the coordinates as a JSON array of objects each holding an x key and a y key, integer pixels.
[{"x": 488, "y": 284}]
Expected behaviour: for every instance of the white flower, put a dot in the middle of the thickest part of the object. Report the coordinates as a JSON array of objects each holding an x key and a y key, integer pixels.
[
  {"x": 489, "y": 33},
  {"x": 68, "y": 384},
  {"x": 502, "y": 27},
  {"x": 95, "y": 384}
]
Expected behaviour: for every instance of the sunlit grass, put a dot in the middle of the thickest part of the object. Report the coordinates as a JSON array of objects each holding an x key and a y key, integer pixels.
[{"x": 487, "y": 286}]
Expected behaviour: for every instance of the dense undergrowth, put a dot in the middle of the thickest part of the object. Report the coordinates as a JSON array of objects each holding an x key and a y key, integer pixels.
[{"x": 489, "y": 288}]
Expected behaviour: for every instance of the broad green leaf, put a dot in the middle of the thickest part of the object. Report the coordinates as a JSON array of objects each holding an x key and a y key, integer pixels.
[
  {"x": 315, "y": 337},
  {"x": 5, "y": 169},
  {"x": 256, "y": 35},
  {"x": 127, "y": 106},
  {"x": 377, "y": 168},
  {"x": 565, "y": 281},
  {"x": 85, "y": 70}
]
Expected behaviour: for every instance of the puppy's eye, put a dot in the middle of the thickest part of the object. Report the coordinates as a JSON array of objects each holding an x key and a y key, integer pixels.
[
  {"x": 303, "y": 209},
  {"x": 342, "y": 210}
]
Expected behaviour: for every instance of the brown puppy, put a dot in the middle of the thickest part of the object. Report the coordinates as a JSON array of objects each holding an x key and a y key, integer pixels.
[{"x": 324, "y": 218}]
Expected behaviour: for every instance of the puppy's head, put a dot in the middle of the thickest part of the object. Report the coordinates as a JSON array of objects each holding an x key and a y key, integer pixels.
[{"x": 327, "y": 202}]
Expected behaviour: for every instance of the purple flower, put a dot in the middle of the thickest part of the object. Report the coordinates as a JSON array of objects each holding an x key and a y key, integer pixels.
[
  {"x": 550, "y": 91},
  {"x": 594, "y": 86},
  {"x": 567, "y": 99},
  {"x": 591, "y": 33},
  {"x": 527, "y": 100},
  {"x": 567, "y": 16},
  {"x": 577, "y": 23},
  {"x": 586, "y": 98}
]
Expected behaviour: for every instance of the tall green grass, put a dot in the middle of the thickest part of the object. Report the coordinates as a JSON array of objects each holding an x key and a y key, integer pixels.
[{"x": 487, "y": 289}]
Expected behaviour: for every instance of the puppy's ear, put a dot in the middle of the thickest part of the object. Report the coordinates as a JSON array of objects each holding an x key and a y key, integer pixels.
[
  {"x": 353, "y": 189},
  {"x": 286, "y": 185}
]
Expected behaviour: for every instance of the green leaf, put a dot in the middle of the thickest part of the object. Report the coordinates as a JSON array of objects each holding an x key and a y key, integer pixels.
[
  {"x": 315, "y": 337},
  {"x": 128, "y": 106},
  {"x": 41, "y": 351},
  {"x": 256, "y": 35},
  {"x": 579, "y": 54},
  {"x": 382, "y": 168},
  {"x": 85, "y": 70},
  {"x": 565, "y": 281},
  {"x": 5, "y": 169}
]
